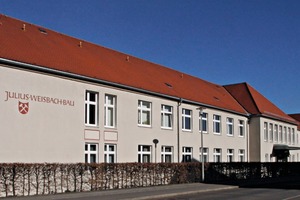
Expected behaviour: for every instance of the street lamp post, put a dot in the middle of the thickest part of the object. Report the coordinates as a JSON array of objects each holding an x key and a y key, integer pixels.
[{"x": 201, "y": 129}]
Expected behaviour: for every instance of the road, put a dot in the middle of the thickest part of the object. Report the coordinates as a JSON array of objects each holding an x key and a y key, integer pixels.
[{"x": 242, "y": 193}]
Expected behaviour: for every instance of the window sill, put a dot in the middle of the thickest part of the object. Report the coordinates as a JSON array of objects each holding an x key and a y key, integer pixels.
[{"x": 144, "y": 126}]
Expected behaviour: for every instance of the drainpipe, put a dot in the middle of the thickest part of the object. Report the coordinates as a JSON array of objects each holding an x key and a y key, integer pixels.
[{"x": 178, "y": 129}]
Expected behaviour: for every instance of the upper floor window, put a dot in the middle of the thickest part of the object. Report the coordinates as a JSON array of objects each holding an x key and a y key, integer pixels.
[
  {"x": 285, "y": 134},
  {"x": 166, "y": 116},
  {"x": 229, "y": 123},
  {"x": 265, "y": 131},
  {"x": 144, "y": 113},
  {"x": 187, "y": 154},
  {"x": 293, "y": 136},
  {"x": 166, "y": 154},
  {"x": 204, "y": 123},
  {"x": 144, "y": 153},
  {"x": 217, "y": 124},
  {"x": 91, "y": 108},
  {"x": 110, "y": 153},
  {"x": 280, "y": 134},
  {"x": 110, "y": 111},
  {"x": 186, "y": 120},
  {"x": 271, "y": 132},
  {"x": 275, "y": 133},
  {"x": 241, "y": 128},
  {"x": 289, "y": 135}
]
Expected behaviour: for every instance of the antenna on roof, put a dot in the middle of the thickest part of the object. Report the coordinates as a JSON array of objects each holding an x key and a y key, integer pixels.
[{"x": 24, "y": 27}]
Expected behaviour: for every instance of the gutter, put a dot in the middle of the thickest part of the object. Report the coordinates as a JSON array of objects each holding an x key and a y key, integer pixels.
[{"x": 99, "y": 81}]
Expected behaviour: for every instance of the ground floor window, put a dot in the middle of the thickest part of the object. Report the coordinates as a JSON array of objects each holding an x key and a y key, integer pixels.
[
  {"x": 230, "y": 155},
  {"x": 187, "y": 154},
  {"x": 166, "y": 154},
  {"x": 205, "y": 155},
  {"x": 110, "y": 153},
  {"x": 144, "y": 153},
  {"x": 242, "y": 155},
  {"x": 91, "y": 153},
  {"x": 217, "y": 155}
]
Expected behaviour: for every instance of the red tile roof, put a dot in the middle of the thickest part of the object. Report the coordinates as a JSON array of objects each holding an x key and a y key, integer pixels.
[
  {"x": 31, "y": 44},
  {"x": 296, "y": 117},
  {"x": 255, "y": 103}
]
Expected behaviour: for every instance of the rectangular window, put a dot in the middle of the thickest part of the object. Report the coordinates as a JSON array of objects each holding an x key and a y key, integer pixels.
[
  {"x": 280, "y": 134},
  {"x": 241, "y": 128},
  {"x": 205, "y": 154},
  {"x": 204, "y": 122},
  {"x": 110, "y": 153},
  {"x": 285, "y": 134},
  {"x": 187, "y": 154},
  {"x": 289, "y": 135},
  {"x": 144, "y": 153},
  {"x": 230, "y": 155},
  {"x": 186, "y": 120},
  {"x": 229, "y": 123},
  {"x": 144, "y": 113},
  {"x": 91, "y": 108},
  {"x": 293, "y": 136},
  {"x": 241, "y": 155},
  {"x": 217, "y": 155},
  {"x": 275, "y": 133},
  {"x": 265, "y": 131},
  {"x": 217, "y": 124},
  {"x": 110, "y": 111},
  {"x": 91, "y": 153},
  {"x": 271, "y": 132},
  {"x": 166, "y": 154},
  {"x": 166, "y": 116}
]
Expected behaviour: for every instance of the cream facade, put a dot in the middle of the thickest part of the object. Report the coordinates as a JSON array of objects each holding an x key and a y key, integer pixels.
[{"x": 52, "y": 118}]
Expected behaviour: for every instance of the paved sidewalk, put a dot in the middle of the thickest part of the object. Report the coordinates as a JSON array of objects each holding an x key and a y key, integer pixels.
[{"x": 134, "y": 193}]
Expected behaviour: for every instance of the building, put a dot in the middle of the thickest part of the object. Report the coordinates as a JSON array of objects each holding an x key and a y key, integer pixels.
[{"x": 68, "y": 100}]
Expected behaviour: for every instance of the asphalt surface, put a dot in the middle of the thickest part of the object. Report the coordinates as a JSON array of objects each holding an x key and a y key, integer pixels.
[{"x": 155, "y": 192}]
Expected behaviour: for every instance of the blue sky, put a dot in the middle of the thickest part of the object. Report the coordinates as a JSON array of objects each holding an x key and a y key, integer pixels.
[{"x": 221, "y": 41}]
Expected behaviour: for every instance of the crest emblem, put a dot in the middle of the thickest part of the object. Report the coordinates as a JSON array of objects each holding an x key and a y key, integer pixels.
[{"x": 23, "y": 107}]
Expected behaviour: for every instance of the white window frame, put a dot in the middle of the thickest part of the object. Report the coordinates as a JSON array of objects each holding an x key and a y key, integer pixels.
[
  {"x": 285, "y": 135},
  {"x": 88, "y": 105},
  {"x": 142, "y": 152},
  {"x": 166, "y": 113},
  {"x": 107, "y": 107},
  {"x": 266, "y": 132},
  {"x": 275, "y": 133},
  {"x": 88, "y": 152},
  {"x": 165, "y": 154},
  {"x": 108, "y": 153},
  {"x": 289, "y": 136},
  {"x": 271, "y": 132},
  {"x": 280, "y": 134},
  {"x": 186, "y": 153},
  {"x": 204, "y": 121},
  {"x": 185, "y": 117},
  {"x": 217, "y": 155},
  {"x": 241, "y": 127},
  {"x": 230, "y": 155},
  {"x": 217, "y": 124},
  {"x": 241, "y": 155},
  {"x": 293, "y": 136},
  {"x": 205, "y": 154},
  {"x": 230, "y": 126},
  {"x": 144, "y": 107}
]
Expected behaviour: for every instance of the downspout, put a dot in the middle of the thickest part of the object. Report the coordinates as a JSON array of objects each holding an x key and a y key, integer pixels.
[
  {"x": 178, "y": 130},
  {"x": 248, "y": 139}
]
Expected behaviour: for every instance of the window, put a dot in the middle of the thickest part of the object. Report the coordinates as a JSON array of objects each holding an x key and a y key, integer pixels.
[
  {"x": 166, "y": 154},
  {"x": 110, "y": 153},
  {"x": 293, "y": 136},
  {"x": 166, "y": 116},
  {"x": 241, "y": 155},
  {"x": 230, "y": 155},
  {"x": 144, "y": 113},
  {"x": 110, "y": 111},
  {"x": 91, "y": 108},
  {"x": 186, "y": 120},
  {"x": 91, "y": 153},
  {"x": 187, "y": 154},
  {"x": 289, "y": 135},
  {"x": 229, "y": 123},
  {"x": 285, "y": 135},
  {"x": 275, "y": 133},
  {"x": 217, "y": 155},
  {"x": 265, "y": 131},
  {"x": 241, "y": 128},
  {"x": 280, "y": 134},
  {"x": 267, "y": 157},
  {"x": 217, "y": 124},
  {"x": 203, "y": 125},
  {"x": 205, "y": 154},
  {"x": 144, "y": 153},
  {"x": 271, "y": 132}
]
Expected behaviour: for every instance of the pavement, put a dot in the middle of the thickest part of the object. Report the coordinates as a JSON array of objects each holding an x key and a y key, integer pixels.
[{"x": 142, "y": 193}]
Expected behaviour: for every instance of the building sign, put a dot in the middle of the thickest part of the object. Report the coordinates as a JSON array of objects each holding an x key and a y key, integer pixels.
[{"x": 24, "y": 99}]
